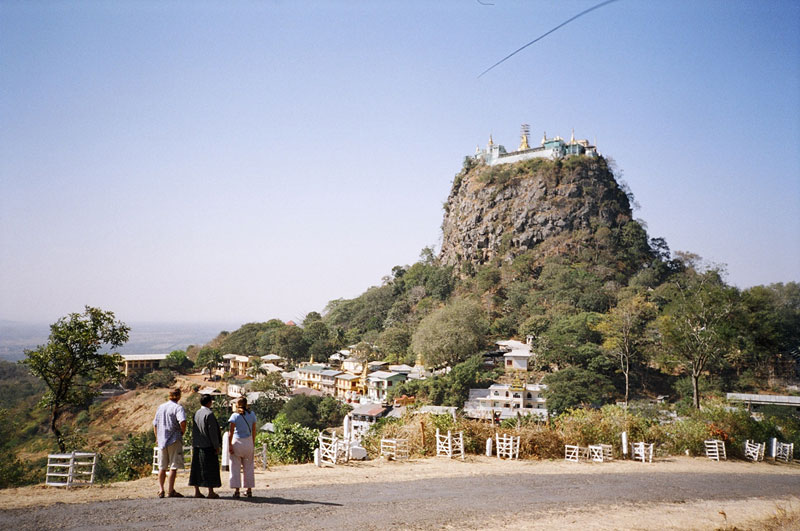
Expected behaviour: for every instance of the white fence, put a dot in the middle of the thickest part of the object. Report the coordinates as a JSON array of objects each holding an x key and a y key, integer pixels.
[
  {"x": 715, "y": 450},
  {"x": 394, "y": 449},
  {"x": 450, "y": 445},
  {"x": 507, "y": 446},
  {"x": 754, "y": 451},
  {"x": 69, "y": 470}
]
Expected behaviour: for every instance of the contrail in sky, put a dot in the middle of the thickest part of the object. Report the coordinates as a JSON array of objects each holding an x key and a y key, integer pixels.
[{"x": 515, "y": 52}]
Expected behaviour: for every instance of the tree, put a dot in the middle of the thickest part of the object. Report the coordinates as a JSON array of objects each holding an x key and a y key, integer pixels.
[
  {"x": 574, "y": 387},
  {"x": 177, "y": 361},
  {"x": 623, "y": 329},
  {"x": 696, "y": 327},
  {"x": 208, "y": 357},
  {"x": 451, "y": 334},
  {"x": 71, "y": 364},
  {"x": 288, "y": 343}
]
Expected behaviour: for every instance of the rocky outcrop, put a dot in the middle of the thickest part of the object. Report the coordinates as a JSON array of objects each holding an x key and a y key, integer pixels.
[{"x": 502, "y": 211}]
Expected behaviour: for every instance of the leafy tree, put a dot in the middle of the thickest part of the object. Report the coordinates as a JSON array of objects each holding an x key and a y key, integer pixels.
[
  {"x": 288, "y": 343},
  {"x": 696, "y": 326},
  {"x": 331, "y": 412},
  {"x": 623, "y": 329},
  {"x": 574, "y": 387},
  {"x": 302, "y": 410},
  {"x": 451, "y": 334},
  {"x": 71, "y": 364},
  {"x": 208, "y": 357},
  {"x": 272, "y": 384},
  {"x": 394, "y": 342},
  {"x": 177, "y": 361}
]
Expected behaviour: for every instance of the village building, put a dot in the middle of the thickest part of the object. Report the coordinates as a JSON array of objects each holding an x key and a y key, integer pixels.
[
  {"x": 366, "y": 415},
  {"x": 347, "y": 387},
  {"x": 236, "y": 364},
  {"x": 352, "y": 365},
  {"x": 327, "y": 382},
  {"x": 380, "y": 382},
  {"x": 141, "y": 363},
  {"x": 273, "y": 358},
  {"x": 310, "y": 376},
  {"x": 515, "y": 354},
  {"x": 506, "y": 401},
  {"x": 291, "y": 379}
]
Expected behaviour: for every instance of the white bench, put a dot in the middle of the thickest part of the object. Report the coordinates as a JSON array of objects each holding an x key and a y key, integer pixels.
[
  {"x": 715, "y": 450},
  {"x": 507, "y": 446},
  {"x": 450, "y": 445},
  {"x": 600, "y": 452},
  {"x": 784, "y": 452},
  {"x": 642, "y": 451},
  {"x": 70, "y": 470},
  {"x": 187, "y": 450},
  {"x": 754, "y": 451},
  {"x": 394, "y": 449}
]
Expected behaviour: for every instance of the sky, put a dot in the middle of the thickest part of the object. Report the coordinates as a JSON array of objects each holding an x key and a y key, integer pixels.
[{"x": 237, "y": 162}]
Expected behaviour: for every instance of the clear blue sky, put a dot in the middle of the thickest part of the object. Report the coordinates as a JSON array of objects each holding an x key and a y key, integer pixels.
[{"x": 206, "y": 162}]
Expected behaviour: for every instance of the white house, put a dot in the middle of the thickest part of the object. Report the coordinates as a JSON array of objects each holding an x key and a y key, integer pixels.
[
  {"x": 366, "y": 415},
  {"x": 327, "y": 382},
  {"x": 379, "y": 383},
  {"x": 506, "y": 401},
  {"x": 516, "y": 354}
]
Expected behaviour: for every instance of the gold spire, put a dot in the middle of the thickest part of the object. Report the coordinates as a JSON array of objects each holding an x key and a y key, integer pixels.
[
  {"x": 311, "y": 362},
  {"x": 544, "y": 137},
  {"x": 523, "y": 143},
  {"x": 491, "y": 142},
  {"x": 572, "y": 138}
]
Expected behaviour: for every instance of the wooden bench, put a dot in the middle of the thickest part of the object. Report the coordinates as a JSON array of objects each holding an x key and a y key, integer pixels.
[
  {"x": 70, "y": 470},
  {"x": 642, "y": 451},
  {"x": 450, "y": 445},
  {"x": 600, "y": 452},
  {"x": 396, "y": 449},
  {"x": 507, "y": 446},
  {"x": 754, "y": 451},
  {"x": 715, "y": 450}
]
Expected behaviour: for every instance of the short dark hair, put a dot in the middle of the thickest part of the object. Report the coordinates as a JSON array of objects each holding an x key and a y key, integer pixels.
[{"x": 205, "y": 399}]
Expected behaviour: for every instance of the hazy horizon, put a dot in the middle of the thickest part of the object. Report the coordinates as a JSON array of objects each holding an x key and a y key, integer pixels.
[{"x": 239, "y": 162}]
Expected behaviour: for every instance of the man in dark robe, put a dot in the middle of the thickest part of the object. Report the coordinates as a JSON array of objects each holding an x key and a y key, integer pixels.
[{"x": 206, "y": 443}]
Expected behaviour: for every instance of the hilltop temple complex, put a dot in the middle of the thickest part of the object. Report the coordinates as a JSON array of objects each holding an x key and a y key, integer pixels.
[{"x": 551, "y": 148}]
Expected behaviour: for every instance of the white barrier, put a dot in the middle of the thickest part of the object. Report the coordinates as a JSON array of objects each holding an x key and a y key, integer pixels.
[
  {"x": 394, "y": 449},
  {"x": 784, "y": 452},
  {"x": 450, "y": 445},
  {"x": 715, "y": 450},
  {"x": 507, "y": 446},
  {"x": 70, "y": 470},
  {"x": 642, "y": 451},
  {"x": 600, "y": 452},
  {"x": 754, "y": 451}
]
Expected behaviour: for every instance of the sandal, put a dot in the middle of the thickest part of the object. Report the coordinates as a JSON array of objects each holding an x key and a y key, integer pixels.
[
  {"x": 174, "y": 494},
  {"x": 161, "y": 494},
  {"x": 198, "y": 495},
  {"x": 248, "y": 494},
  {"x": 213, "y": 496},
  {"x": 236, "y": 495}
]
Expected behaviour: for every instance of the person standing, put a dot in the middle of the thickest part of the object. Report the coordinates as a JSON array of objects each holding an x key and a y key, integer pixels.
[
  {"x": 169, "y": 426},
  {"x": 206, "y": 443},
  {"x": 242, "y": 442}
]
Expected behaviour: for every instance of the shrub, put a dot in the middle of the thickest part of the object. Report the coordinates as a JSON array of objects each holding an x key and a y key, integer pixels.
[
  {"x": 134, "y": 460},
  {"x": 290, "y": 443}
]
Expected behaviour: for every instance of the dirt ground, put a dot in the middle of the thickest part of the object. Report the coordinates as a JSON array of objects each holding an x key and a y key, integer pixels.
[{"x": 675, "y": 493}]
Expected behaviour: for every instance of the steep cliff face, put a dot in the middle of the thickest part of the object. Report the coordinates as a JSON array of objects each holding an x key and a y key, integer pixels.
[{"x": 502, "y": 211}]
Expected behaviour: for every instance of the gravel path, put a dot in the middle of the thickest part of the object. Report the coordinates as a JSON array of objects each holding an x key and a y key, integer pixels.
[{"x": 432, "y": 503}]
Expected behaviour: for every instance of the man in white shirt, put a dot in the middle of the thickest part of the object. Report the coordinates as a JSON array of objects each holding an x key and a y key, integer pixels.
[{"x": 169, "y": 425}]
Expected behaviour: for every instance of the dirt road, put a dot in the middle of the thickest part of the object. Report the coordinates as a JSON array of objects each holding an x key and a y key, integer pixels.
[{"x": 480, "y": 494}]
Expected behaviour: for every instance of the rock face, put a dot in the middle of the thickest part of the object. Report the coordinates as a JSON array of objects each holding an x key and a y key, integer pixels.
[{"x": 502, "y": 211}]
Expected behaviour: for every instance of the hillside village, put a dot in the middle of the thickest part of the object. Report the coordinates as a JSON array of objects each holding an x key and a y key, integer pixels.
[{"x": 365, "y": 385}]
